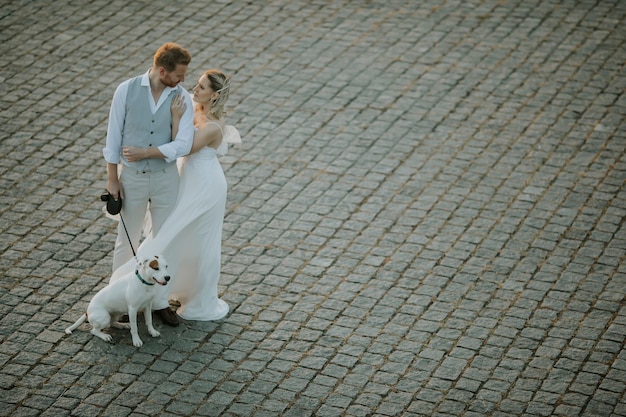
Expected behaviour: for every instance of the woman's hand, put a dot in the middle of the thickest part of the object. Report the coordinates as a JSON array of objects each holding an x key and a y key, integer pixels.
[{"x": 178, "y": 107}]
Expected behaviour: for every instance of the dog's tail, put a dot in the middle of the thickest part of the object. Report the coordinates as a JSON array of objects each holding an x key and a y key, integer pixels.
[{"x": 80, "y": 321}]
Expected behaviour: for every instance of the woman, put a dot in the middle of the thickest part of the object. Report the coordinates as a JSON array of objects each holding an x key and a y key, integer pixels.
[{"x": 191, "y": 237}]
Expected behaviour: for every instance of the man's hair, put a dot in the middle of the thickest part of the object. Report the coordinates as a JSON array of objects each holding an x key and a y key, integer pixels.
[{"x": 171, "y": 54}]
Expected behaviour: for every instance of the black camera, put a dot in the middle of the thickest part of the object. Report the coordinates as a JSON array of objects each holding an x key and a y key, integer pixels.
[{"x": 114, "y": 206}]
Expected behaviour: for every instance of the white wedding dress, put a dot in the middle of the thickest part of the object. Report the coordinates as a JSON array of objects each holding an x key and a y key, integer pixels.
[{"x": 191, "y": 238}]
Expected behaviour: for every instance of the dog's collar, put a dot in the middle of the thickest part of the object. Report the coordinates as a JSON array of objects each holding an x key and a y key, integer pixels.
[{"x": 141, "y": 279}]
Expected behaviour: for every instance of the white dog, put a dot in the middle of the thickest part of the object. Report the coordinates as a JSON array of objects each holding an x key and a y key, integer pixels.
[{"x": 126, "y": 294}]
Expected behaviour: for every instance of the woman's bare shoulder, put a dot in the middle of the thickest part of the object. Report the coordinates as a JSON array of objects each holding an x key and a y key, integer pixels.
[{"x": 210, "y": 128}]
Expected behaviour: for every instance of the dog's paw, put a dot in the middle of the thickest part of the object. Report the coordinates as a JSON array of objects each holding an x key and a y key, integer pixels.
[
  {"x": 105, "y": 337},
  {"x": 68, "y": 331},
  {"x": 137, "y": 342},
  {"x": 154, "y": 333}
]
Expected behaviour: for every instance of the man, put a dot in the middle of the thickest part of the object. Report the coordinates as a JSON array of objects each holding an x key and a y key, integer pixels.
[{"x": 139, "y": 141}]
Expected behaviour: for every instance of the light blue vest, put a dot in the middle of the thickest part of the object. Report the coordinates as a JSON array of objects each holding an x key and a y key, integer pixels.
[{"x": 144, "y": 129}]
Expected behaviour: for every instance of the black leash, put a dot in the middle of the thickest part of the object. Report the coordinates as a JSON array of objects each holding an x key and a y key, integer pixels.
[
  {"x": 114, "y": 206},
  {"x": 127, "y": 235}
]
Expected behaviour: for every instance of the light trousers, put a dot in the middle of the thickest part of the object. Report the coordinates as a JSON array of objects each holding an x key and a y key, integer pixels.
[{"x": 155, "y": 191}]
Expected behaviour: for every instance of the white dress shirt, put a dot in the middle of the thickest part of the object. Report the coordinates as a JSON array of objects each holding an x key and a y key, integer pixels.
[{"x": 180, "y": 146}]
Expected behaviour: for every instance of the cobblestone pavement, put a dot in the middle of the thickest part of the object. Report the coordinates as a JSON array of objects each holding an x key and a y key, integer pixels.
[{"x": 426, "y": 217}]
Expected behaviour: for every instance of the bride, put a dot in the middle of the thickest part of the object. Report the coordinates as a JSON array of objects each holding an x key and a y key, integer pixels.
[{"x": 191, "y": 237}]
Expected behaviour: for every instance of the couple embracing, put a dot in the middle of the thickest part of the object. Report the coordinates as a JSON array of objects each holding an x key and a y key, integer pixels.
[{"x": 153, "y": 122}]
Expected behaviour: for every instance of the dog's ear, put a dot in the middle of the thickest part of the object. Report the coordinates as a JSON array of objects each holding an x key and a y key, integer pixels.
[{"x": 144, "y": 261}]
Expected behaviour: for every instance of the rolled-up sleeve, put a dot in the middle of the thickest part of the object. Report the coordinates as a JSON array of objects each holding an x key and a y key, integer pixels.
[
  {"x": 112, "y": 148},
  {"x": 181, "y": 145}
]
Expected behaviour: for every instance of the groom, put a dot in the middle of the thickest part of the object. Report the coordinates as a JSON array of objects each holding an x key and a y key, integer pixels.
[{"x": 139, "y": 142}]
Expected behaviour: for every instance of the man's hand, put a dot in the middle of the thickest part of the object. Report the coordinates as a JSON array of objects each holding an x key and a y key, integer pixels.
[
  {"x": 134, "y": 154},
  {"x": 115, "y": 189}
]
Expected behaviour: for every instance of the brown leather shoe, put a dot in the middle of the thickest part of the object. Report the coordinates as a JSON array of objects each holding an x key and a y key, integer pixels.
[{"x": 168, "y": 317}]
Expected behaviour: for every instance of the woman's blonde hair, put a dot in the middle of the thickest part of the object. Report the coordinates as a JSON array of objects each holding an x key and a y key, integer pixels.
[{"x": 220, "y": 83}]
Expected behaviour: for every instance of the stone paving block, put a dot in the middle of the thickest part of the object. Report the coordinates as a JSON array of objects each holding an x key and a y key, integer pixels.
[{"x": 423, "y": 219}]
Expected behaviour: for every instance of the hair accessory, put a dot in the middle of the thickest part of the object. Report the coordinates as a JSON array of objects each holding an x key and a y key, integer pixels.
[{"x": 226, "y": 85}]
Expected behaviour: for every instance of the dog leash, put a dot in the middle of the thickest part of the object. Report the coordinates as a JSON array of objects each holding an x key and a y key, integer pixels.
[
  {"x": 127, "y": 235},
  {"x": 114, "y": 206},
  {"x": 134, "y": 254},
  {"x": 133, "y": 249}
]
